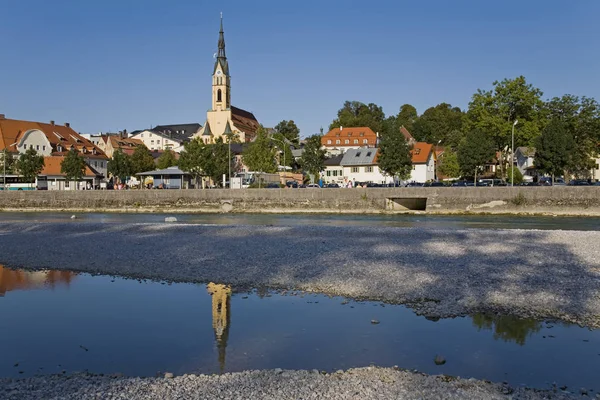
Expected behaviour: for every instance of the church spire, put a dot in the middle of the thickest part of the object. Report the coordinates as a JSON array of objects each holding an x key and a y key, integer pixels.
[{"x": 221, "y": 57}]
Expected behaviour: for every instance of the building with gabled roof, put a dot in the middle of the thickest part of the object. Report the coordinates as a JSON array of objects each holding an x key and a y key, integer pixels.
[
  {"x": 223, "y": 119},
  {"x": 340, "y": 139}
]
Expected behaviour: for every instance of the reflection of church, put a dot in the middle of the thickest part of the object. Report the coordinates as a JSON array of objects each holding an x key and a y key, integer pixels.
[
  {"x": 221, "y": 314},
  {"x": 11, "y": 279}
]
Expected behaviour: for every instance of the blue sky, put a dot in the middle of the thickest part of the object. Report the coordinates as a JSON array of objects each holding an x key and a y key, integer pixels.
[{"x": 130, "y": 64}]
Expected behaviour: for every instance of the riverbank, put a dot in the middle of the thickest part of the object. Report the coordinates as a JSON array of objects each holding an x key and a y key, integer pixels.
[
  {"x": 439, "y": 273},
  {"x": 469, "y": 200},
  {"x": 359, "y": 383}
]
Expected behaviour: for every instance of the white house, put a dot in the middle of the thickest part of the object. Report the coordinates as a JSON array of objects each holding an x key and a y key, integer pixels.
[
  {"x": 360, "y": 165},
  {"x": 524, "y": 157},
  {"x": 423, "y": 162},
  {"x": 167, "y": 137}
]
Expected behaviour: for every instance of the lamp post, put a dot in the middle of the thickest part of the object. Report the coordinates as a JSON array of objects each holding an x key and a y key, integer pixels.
[
  {"x": 434, "y": 160},
  {"x": 512, "y": 155}
]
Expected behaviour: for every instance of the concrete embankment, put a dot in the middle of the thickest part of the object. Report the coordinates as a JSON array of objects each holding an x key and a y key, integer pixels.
[{"x": 533, "y": 200}]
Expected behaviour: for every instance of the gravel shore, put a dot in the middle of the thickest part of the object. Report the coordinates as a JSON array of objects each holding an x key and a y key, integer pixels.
[
  {"x": 359, "y": 384},
  {"x": 439, "y": 273}
]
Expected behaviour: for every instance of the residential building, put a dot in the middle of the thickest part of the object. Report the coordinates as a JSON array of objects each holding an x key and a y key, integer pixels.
[
  {"x": 223, "y": 119},
  {"x": 167, "y": 137},
  {"x": 423, "y": 157},
  {"x": 524, "y": 158},
  {"x": 51, "y": 178},
  {"x": 339, "y": 140},
  {"x": 360, "y": 165},
  {"x": 111, "y": 143},
  {"x": 51, "y": 140},
  {"x": 333, "y": 172}
]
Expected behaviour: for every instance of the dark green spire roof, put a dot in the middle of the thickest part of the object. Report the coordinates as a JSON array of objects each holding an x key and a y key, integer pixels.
[
  {"x": 207, "y": 131},
  {"x": 221, "y": 57}
]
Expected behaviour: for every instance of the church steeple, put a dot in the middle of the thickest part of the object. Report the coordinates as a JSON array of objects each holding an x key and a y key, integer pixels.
[{"x": 221, "y": 78}]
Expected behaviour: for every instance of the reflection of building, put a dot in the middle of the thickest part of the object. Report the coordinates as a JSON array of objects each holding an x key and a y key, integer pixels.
[
  {"x": 221, "y": 314},
  {"x": 21, "y": 280}
]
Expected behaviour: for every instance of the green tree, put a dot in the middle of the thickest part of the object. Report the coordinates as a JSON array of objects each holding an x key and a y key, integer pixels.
[
  {"x": 493, "y": 112},
  {"x": 289, "y": 130},
  {"x": 447, "y": 164},
  {"x": 29, "y": 165},
  {"x": 517, "y": 174},
  {"x": 167, "y": 159},
  {"x": 313, "y": 156},
  {"x": 141, "y": 160},
  {"x": 442, "y": 122},
  {"x": 8, "y": 159},
  {"x": 355, "y": 113},
  {"x": 73, "y": 166},
  {"x": 407, "y": 116},
  {"x": 282, "y": 144},
  {"x": 215, "y": 162},
  {"x": 191, "y": 159},
  {"x": 475, "y": 150},
  {"x": 119, "y": 166},
  {"x": 553, "y": 149},
  {"x": 394, "y": 154},
  {"x": 581, "y": 120},
  {"x": 259, "y": 156}
]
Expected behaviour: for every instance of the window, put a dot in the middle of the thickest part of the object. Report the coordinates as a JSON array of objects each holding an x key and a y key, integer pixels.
[
  {"x": 355, "y": 141},
  {"x": 59, "y": 148},
  {"x": 368, "y": 169},
  {"x": 369, "y": 153},
  {"x": 328, "y": 173},
  {"x": 337, "y": 142},
  {"x": 37, "y": 147},
  {"x": 357, "y": 154},
  {"x": 95, "y": 164},
  {"x": 346, "y": 141},
  {"x": 142, "y": 135},
  {"x": 349, "y": 134},
  {"x": 219, "y": 96},
  {"x": 354, "y": 170},
  {"x": 365, "y": 141},
  {"x": 158, "y": 141},
  {"x": 152, "y": 142},
  {"x": 414, "y": 167},
  {"x": 341, "y": 172},
  {"x": 335, "y": 172},
  {"x": 362, "y": 134},
  {"x": 44, "y": 148},
  {"x": 329, "y": 142}
]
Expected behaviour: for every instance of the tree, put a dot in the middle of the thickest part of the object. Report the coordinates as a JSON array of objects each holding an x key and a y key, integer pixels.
[
  {"x": 281, "y": 143},
  {"x": 73, "y": 166},
  {"x": 407, "y": 116},
  {"x": 215, "y": 161},
  {"x": 448, "y": 165},
  {"x": 355, "y": 113},
  {"x": 141, "y": 160},
  {"x": 119, "y": 165},
  {"x": 581, "y": 120},
  {"x": 29, "y": 165},
  {"x": 289, "y": 130},
  {"x": 475, "y": 150},
  {"x": 313, "y": 156},
  {"x": 167, "y": 159},
  {"x": 442, "y": 122},
  {"x": 259, "y": 156},
  {"x": 493, "y": 113},
  {"x": 553, "y": 149},
  {"x": 394, "y": 154},
  {"x": 8, "y": 159},
  {"x": 191, "y": 158},
  {"x": 517, "y": 174}
]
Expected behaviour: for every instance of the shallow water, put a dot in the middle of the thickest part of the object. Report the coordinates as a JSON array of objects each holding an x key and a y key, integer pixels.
[
  {"x": 399, "y": 220},
  {"x": 60, "y": 321}
]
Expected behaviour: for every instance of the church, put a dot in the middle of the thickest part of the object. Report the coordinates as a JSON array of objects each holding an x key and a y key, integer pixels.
[{"x": 223, "y": 119}]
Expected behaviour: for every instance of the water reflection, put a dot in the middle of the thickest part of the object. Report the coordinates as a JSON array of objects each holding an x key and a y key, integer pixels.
[
  {"x": 11, "y": 279},
  {"x": 221, "y": 314},
  {"x": 506, "y": 327}
]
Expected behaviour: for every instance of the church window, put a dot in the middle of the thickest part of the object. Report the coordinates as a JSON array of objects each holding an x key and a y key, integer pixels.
[{"x": 219, "y": 95}]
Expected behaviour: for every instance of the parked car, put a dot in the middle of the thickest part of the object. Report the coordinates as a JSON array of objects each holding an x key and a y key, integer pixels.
[
  {"x": 292, "y": 184},
  {"x": 414, "y": 184},
  {"x": 579, "y": 182},
  {"x": 332, "y": 185},
  {"x": 313, "y": 186},
  {"x": 547, "y": 181},
  {"x": 460, "y": 184},
  {"x": 272, "y": 185},
  {"x": 435, "y": 184}
]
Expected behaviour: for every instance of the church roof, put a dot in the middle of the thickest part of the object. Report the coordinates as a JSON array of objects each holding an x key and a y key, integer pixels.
[
  {"x": 245, "y": 121},
  {"x": 182, "y": 131},
  {"x": 207, "y": 131}
]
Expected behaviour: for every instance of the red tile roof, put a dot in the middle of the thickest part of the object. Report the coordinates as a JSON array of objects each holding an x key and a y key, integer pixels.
[
  {"x": 245, "y": 121},
  {"x": 52, "y": 167},
  {"x": 352, "y": 133},
  {"x": 420, "y": 152}
]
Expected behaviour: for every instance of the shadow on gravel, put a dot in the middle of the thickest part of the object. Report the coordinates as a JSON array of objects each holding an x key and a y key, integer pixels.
[{"x": 550, "y": 274}]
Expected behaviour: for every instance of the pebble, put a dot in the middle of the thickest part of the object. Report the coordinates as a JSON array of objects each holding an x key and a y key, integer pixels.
[{"x": 169, "y": 375}]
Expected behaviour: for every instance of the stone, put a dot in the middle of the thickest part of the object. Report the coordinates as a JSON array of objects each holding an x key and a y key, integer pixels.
[
  {"x": 374, "y": 321},
  {"x": 170, "y": 219},
  {"x": 73, "y": 216},
  {"x": 169, "y": 375},
  {"x": 439, "y": 360}
]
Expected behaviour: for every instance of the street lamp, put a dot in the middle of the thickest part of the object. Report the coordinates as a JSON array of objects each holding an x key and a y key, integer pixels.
[
  {"x": 512, "y": 156},
  {"x": 434, "y": 159}
]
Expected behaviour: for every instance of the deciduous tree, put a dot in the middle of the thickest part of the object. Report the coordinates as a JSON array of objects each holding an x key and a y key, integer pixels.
[
  {"x": 553, "y": 149},
  {"x": 119, "y": 166},
  {"x": 73, "y": 166},
  {"x": 447, "y": 164},
  {"x": 407, "y": 116},
  {"x": 191, "y": 159},
  {"x": 394, "y": 154},
  {"x": 259, "y": 156},
  {"x": 167, "y": 159},
  {"x": 355, "y": 113},
  {"x": 141, "y": 160},
  {"x": 442, "y": 122},
  {"x": 29, "y": 165},
  {"x": 313, "y": 157},
  {"x": 289, "y": 130},
  {"x": 475, "y": 150}
]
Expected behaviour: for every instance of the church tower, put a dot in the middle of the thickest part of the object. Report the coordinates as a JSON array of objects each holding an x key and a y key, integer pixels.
[{"x": 221, "y": 96}]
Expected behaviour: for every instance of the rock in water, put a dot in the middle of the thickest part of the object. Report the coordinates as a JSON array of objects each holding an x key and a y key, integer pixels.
[
  {"x": 168, "y": 375},
  {"x": 439, "y": 360},
  {"x": 170, "y": 219},
  {"x": 374, "y": 322},
  {"x": 73, "y": 216}
]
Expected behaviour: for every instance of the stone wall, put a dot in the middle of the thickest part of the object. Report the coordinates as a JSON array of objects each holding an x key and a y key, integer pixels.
[{"x": 570, "y": 200}]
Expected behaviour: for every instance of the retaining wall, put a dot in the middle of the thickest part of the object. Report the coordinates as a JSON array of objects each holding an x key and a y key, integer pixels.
[{"x": 558, "y": 199}]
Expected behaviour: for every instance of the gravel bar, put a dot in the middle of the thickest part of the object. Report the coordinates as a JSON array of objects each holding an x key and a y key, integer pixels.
[
  {"x": 360, "y": 383},
  {"x": 544, "y": 274}
]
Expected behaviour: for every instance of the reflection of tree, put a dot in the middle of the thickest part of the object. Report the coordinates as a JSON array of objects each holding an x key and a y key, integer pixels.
[
  {"x": 507, "y": 328},
  {"x": 221, "y": 317},
  {"x": 11, "y": 279}
]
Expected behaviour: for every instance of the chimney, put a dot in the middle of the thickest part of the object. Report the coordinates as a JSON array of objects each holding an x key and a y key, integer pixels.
[
  {"x": 125, "y": 133},
  {"x": 51, "y": 122},
  {"x": 68, "y": 125},
  {"x": 2, "y": 116}
]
